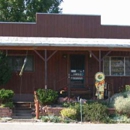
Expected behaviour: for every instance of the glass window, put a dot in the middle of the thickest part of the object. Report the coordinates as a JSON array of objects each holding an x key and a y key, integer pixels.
[
  {"x": 116, "y": 66},
  {"x": 106, "y": 66},
  {"x": 127, "y": 65},
  {"x": 16, "y": 63}
]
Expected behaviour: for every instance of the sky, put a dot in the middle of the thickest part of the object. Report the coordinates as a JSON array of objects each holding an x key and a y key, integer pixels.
[{"x": 113, "y": 12}]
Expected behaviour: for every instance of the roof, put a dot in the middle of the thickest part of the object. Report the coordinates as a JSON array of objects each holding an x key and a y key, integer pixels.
[{"x": 64, "y": 42}]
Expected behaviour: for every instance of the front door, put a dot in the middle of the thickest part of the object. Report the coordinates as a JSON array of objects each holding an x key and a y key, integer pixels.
[{"x": 77, "y": 71}]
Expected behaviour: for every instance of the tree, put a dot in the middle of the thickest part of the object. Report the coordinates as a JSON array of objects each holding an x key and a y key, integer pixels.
[
  {"x": 12, "y": 10},
  {"x": 25, "y": 10},
  {"x": 5, "y": 70}
]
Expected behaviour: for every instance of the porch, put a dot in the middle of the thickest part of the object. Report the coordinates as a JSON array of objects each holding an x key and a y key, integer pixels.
[{"x": 71, "y": 63}]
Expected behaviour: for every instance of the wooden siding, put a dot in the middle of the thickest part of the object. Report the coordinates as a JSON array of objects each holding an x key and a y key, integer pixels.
[
  {"x": 61, "y": 25},
  {"x": 57, "y": 25},
  {"x": 58, "y": 69},
  {"x": 57, "y": 73}
]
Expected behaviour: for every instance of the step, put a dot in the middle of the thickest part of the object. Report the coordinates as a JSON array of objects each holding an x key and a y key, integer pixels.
[
  {"x": 22, "y": 114},
  {"x": 22, "y": 110},
  {"x": 24, "y": 104},
  {"x": 23, "y": 117}
]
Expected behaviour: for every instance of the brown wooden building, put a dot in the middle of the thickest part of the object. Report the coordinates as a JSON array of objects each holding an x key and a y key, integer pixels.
[{"x": 65, "y": 51}]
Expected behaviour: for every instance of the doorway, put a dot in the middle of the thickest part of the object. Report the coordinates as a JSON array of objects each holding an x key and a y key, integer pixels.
[{"x": 77, "y": 71}]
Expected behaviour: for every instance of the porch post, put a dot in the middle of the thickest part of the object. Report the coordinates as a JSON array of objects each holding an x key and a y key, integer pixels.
[
  {"x": 100, "y": 60},
  {"x": 45, "y": 69},
  {"x": 45, "y": 59}
]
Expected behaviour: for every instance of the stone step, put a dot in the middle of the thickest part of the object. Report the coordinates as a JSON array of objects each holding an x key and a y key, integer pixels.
[
  {"x": 24, "y": 104},
  {"x": 23, "y": 117},
  {"x": 23, "y": 110},
  {"x": 22, "y": 114}
]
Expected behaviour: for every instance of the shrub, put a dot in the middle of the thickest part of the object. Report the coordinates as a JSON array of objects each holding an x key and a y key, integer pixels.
[
  {"x": 68, "y": 113},
  {"x": 6, "y": 95},
  {"x": 45, "y": 118},
  {"x": 127, "y": 87},
  {"x": 5, "y": 70},
  {"x": 92, "y": 111},
  {"x": 122, "y": 104},
  {"x": 52, "y": 118},
  {"x": 76, "y": 106},
  {"x": 121, "y": 94},
  {"x": 47, "y": 96},
  {"x": 96, "y": 112},
  {"x": 8, "y": 104},
  {"x": 120, "y": 119}
]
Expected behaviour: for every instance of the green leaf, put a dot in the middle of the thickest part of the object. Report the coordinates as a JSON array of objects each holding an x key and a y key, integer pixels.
[{"x": 25, "y": 10}]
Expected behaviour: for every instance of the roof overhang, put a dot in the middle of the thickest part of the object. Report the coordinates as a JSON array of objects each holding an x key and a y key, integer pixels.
[{"x": 55, "y": 42}]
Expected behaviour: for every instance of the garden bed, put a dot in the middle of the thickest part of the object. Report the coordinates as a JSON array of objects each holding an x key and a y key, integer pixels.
[{"x": 50, "y": 110}]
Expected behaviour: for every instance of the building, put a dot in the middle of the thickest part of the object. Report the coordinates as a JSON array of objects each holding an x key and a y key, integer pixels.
[{"x": 65, "y": 51}]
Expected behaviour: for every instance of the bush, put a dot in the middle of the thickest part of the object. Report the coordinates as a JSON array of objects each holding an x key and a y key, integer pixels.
[
  {"x": 122, "y": 104},
  {"x": 76, "y": 106},
  {"x": 47, "y": 96},
  {"x": 127, "y": 87},
  {"x": 68, "y": 113},
  {"x": 92, "y": 111},
  {"x": 5, "y": 70},
  {"x": 52, "y": 118},
  {"x": 120, "y": 119},
  {"x": 8, "y": 104},
  {"x": 121, "y": 94},
  {"x": 6, "y": 95},
  {"x": 96, "y": 112}
]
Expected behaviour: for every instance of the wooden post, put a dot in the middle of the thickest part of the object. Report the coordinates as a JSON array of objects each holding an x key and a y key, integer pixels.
[
  {"x": 37, "y": 109},
  {"x": 45, "y": 59},
  {"x": 36, "y": 105},
  {"x": 100, "y": 60},
  {"x": 45, "y": 69}
]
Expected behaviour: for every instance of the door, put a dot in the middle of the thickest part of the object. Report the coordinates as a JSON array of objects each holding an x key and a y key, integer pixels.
[{"x": 77, "y": 71}]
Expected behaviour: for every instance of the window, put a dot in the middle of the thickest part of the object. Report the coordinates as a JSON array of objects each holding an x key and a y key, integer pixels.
[
  {"x": 16, "y": 63},
  {"x": 116, "y": 66}
]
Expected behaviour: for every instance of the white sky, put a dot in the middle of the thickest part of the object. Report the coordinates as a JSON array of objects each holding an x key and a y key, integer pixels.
[{"x": 113, "y": 12}]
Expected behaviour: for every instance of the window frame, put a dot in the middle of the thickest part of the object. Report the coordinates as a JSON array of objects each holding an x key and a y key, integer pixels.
[
  {"x": 110, "y": 66},
  {"x": 23, "y": 56}
]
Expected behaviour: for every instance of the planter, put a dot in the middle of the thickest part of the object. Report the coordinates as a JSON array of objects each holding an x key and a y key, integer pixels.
[
  {"x": 49, "y": 110},
  {"x": 5, "y": 112}
]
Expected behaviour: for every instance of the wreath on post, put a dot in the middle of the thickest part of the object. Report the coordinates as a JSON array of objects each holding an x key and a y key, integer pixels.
[
  {"x": 99, "y": 76},
  {"x": 99, "y": 84}
]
